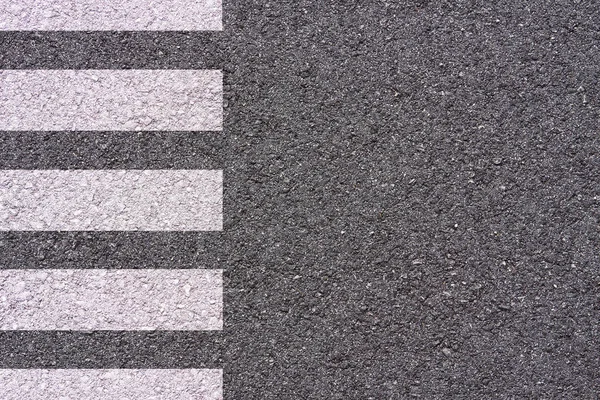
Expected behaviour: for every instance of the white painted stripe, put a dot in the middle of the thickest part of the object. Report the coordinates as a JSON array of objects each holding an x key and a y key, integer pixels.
[
  {"x": 113, "y": 299},
  {"x": 118, "y": 100},
  {"x": 111, "y": 384},
  {"x": 98, "y": 15},
  {"x": 111, "y": 200}
]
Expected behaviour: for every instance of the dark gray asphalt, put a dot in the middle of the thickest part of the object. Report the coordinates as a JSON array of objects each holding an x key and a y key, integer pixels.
[{"x": 412, "y": 200}]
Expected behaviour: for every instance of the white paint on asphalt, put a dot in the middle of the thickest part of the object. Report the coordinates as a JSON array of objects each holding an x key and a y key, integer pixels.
[
  {"x": 111, "y": 200},
  {"x": 101, "y": 15},
  {"x": 111, "y": 384},
  {"x": 118, "y": 100},
  {"x": 111, "y": 299}
]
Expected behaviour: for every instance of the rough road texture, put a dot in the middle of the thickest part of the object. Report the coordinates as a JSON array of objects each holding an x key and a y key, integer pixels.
[
  {"x": 359, "y": 198},
  {"x": 111, "y": 384}
]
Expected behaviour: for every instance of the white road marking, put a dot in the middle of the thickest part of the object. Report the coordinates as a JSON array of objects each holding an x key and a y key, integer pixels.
[
  {"x": 111, "y": 384},
  {"x": 115, "y": 200},
  {"x": 100, "y": 15},
  {"x": 111, "y": 299},
  {"x": 118, "y": 100},
  {"x": 111, "y": 200}
]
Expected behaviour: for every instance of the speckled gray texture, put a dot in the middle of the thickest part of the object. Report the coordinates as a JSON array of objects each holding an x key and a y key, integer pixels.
[
  {"x": 107, "y": 200},
  {"x": 346, "y": 173},
  {"x": 88, "y": 15},
  {"x": 111, "y": 150},
  {"x": 101, "y": 299},
  {"x": 125, "y": 100},
  {"x": 111, "y": 384}
]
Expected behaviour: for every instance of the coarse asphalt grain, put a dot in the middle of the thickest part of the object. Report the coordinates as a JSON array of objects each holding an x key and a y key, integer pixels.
[{"x": 412, "y": 201}]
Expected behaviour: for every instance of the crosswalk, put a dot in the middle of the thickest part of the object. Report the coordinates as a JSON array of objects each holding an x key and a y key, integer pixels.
[
  {"x": 94, "y": 15},
  {"x": 111, "y": 200},
  {"x": 146, "y": 200},
  {"x": 105, "y": 299},
  {"x": 116, "y": 100},
  {"x": 43, "y": 384}
]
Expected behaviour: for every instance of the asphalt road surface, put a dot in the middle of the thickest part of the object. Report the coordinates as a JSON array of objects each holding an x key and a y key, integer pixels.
[{"x": 411, "y": 200}]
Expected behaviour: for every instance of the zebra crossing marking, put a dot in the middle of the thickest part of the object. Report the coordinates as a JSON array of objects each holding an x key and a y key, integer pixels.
[
  {"x": 88, "y": 15},
  {"x": 111, "y": 384},
  {"x": 111, "y": 200},
  {"x": 118, "y": 100},
  {"x": 111, "y": 299}
]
